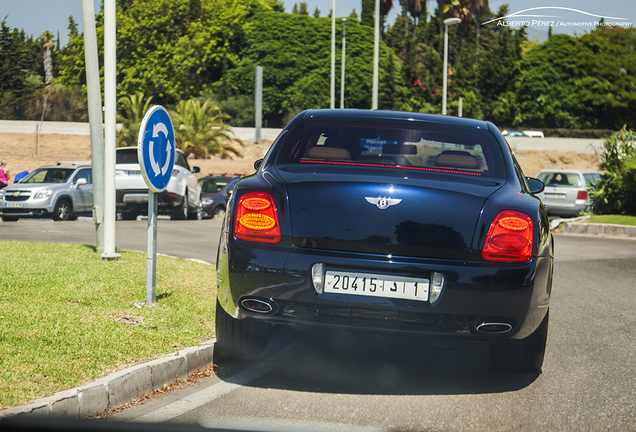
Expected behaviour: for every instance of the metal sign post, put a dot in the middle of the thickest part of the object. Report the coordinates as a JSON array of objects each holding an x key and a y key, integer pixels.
[
  {"x": 151, "y": 268},
  {"x": 156, "y": 154}
]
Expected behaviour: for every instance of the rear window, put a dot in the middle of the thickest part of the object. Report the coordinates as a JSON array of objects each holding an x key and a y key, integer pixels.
[
  {"x": 127, "y": 156},
  {"x": 561, "y": 179},
  {"x": 592, "y": 178},
  {"x": 398, "y": 145}
]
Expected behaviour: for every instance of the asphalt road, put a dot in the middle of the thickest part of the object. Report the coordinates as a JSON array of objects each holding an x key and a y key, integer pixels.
[
  {"x": 342, "y": 381},
  {"x": 345, "y": 381},
  {"x": 184, "y": 239}
]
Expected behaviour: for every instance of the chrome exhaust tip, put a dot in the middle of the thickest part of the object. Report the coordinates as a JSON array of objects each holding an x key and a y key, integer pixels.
[
  {"x": 487, "y": 327},
  {"x": 259, "y": 305}
]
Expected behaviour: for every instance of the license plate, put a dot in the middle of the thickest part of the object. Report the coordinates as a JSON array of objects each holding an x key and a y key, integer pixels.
[
  {"x": 555, "y": 196},
  {"x": 13, "y": 205},
  {"x": 374, "y": 285}
]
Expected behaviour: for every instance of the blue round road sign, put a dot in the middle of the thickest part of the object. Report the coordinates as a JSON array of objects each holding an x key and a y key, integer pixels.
[{"x": 156, "y": 148}]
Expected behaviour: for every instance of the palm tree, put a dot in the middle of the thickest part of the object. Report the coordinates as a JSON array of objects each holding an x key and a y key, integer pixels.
[
  {"x": 133, "y": 109},
  {"x": 416, "y": 8},
  {"x": 385, "y": 7},
  {"x": 199, "y": 129}
]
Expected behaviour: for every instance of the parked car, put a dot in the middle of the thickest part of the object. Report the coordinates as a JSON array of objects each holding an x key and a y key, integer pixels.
[
  {"x": 210, "y": 188},
  {"x": 219, "y": 202},
  {"x": 61, "y": 192},
  {"x": 534, "y": 134},
  {"x": 180, "y": 199},
  {"x": 388, "y": 222},
  {"x": 566, "y": 190},
  {"x": 513, "y": 134}
]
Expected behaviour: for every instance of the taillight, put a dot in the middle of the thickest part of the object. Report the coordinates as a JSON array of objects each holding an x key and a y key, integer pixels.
[
  {"x": 257, "y": 219},
  {"x": 510, "y": 238},
  {"x": 582, "y": 195}
]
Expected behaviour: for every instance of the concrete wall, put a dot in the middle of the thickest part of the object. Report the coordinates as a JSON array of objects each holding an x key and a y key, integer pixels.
[
  {"x": 577, "y": 145},
  {"x": 71, "y": 128},
  {"x": 269, "y": 134}
]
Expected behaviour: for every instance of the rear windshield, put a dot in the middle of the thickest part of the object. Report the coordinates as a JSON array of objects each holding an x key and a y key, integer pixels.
[
  {"x": 398, "y": 145},
  {"x": 127, "y": 156},
  {"x": 561, "y": 179}
]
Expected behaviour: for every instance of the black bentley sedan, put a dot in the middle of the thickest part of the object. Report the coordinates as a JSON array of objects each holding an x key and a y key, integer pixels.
[{"x": 388, "y": 222}]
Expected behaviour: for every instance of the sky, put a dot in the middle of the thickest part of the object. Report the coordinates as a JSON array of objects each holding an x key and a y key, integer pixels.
[{"x": 36, "y": 16}]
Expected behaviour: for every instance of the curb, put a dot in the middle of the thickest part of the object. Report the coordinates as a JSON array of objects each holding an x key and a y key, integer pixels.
[
  {"x": 606, "y": 230},
  {"x": 120, "y": 387}
]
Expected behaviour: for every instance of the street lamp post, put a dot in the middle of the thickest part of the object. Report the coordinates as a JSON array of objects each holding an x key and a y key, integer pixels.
[
  {"x": 447, "y": 22},
  {"x": 342, "y": 78},
  {"x": 376, "y": 56},
  {"x": 332, "y": 102}
]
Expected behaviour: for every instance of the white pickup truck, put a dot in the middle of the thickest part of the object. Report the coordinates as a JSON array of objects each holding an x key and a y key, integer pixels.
[{"x": 180, "y": 200}]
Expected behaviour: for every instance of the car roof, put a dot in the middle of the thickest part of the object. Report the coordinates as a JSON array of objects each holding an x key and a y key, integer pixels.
[
  {"x": 353, "y": 114},
  {"x": 570, "y": 170},
  {"x": 63, "y": 164},
  {"x": 135, "y": 148}
]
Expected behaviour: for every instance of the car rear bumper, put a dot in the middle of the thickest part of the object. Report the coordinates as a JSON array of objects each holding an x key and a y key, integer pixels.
[
  {"x": 564, "y": 209},
  {"x": 136, "y": 200},
  {"x": 474, "y": 292}
]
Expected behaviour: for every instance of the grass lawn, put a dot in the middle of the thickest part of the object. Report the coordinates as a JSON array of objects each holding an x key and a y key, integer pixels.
[
  {"x": 611, "y": 219},
  {"x": 67, "y": 317}
]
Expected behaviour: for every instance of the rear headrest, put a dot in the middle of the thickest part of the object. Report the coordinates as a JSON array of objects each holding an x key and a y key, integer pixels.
[
  {"x": 322, "y": 152},
  {"x": 456, "y": 159}
]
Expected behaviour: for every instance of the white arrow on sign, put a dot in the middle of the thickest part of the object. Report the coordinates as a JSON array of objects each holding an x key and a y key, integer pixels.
[{"x": 159, "y": 127}]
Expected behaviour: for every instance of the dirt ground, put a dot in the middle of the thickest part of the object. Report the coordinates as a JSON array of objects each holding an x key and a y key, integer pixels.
[{"x": 20, "y": 153}]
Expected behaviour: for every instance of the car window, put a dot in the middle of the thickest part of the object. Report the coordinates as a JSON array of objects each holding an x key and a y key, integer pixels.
[
  {"x": 85, "y": 174},
  {"x": 592, "y": 178},
  {"x": 472, "y": 152},
  {"x": 211, "y": 186},
  {"x": 49, "y": 175},
  {"x": 229, "y": 187},
  {"x": 181, "y": 161},
  {"x": 127, "y": 156},
  {"x": 561, "y": 179}
]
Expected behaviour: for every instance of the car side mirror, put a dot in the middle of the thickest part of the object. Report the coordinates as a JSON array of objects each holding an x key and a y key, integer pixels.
[
  {"x": 535, "y": 185},
  {"x": 196, "y": 170},
  {"x": 80, "y": 182},
  {"x": 258, "y": 163}
]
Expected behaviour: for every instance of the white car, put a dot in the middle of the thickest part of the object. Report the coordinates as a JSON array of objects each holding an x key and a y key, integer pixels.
[
  {"x": 180, "y": 199},
  {"x": 566, "y": 190}
]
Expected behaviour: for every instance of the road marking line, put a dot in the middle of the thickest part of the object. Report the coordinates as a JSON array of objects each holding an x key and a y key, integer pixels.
[{"x": 211, "y": 393}]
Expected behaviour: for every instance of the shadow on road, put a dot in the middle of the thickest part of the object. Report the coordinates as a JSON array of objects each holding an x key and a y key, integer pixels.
[{"x": 342, "y": 362}]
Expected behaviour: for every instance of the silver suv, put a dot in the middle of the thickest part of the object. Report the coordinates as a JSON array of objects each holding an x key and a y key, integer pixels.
[
  {"x": 180, "y": 200},
  {"x": 63, "y": 192}
]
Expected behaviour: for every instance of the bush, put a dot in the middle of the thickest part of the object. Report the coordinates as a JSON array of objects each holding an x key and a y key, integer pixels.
[
  {"x": 578, "y": 133},
  {"x": 616, "y": 192}
]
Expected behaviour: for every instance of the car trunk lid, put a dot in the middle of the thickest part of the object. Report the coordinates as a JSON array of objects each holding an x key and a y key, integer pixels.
[{"x": 396, "y": 214}]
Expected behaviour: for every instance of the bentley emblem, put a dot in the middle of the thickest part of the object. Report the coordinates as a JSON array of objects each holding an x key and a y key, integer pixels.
[{"x": 383, "y": 203}]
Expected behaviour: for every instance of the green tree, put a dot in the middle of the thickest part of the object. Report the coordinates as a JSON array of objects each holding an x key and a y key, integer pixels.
[
  {"x": 368, "y": 13},
  {"x": 132, "y": 110},
  {"x": 616, "y": 192},
  {"x": 294, "y": 52},
  {"x": 21, "y": 70},
  {"x": 580, "y": 82},
  {"x": 199, "y": 129}
]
